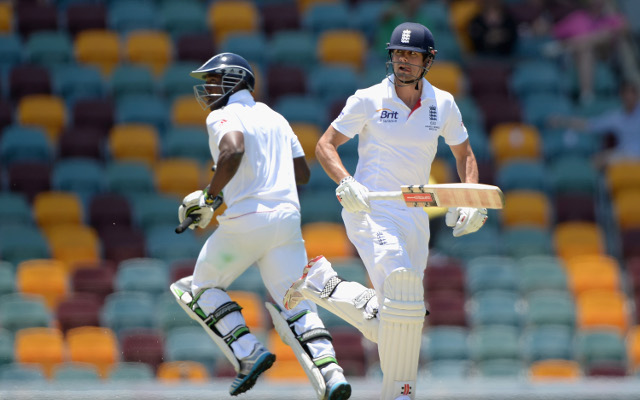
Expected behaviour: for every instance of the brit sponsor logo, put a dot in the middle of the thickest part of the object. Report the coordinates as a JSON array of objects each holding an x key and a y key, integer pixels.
[{"x": 388, "y": 115}]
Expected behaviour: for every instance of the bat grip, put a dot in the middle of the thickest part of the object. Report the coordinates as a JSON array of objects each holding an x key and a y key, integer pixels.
[
  {"x": 394, "y": 195},
  {"x": 184, "y": 224}
]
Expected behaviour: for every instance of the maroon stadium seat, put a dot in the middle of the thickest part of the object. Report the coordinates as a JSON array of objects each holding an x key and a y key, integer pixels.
[
  {"x": 6, "y": 114},
  {"x": 444, "y": 277},
  {"x": 36, "y": 16},
  {"x": 97, "y": 113},
  {"x": 28, "y": 79},
  {"x": 29, "y": 178},
  {"x": 85, "y": 16},
  {"x": 80, "y": 309},
  {"x": 446, "y": 308},
  {"x": 283, "y": 80},
  {"x": 347, "y": 342},
  {"x": 195, "y": 47},
  {"x": 96, "y": 280},
  {"x": 85, "y": 142},
  {"x": 109, "y": 209},
  {"x": 574, "y": 207},
  {"x": 121, "y": 242},
  {"x": 276, "y": 17},
  {"x": 143, "y": 345}
]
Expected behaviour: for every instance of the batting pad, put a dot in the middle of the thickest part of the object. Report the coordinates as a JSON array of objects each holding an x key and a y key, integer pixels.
[
  {"x": 401, "y": 319},
  {"x": 282, "y": 327},
  {"x": 181, "y": 290}
]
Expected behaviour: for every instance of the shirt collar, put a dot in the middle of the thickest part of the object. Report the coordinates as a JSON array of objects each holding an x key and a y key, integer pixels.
[
  {"x": 427, "y": 89},
  {"x": 241, "y": 96}
]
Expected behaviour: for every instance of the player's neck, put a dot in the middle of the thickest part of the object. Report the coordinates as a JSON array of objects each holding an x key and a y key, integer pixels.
[{"x": 409, "y": 95}]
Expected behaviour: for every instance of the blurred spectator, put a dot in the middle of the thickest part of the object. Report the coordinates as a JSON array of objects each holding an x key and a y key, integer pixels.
[
  {"x": 621, "y": 125},
  {"x": 592, "y": 31},
  {"x": 493, "y": 31}
]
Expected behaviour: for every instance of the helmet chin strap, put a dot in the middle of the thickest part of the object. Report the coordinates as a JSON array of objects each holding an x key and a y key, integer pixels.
[{"x": 407, "y": 83}]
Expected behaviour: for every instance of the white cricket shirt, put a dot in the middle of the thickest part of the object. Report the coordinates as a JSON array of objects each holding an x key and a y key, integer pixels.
[
  {"x": 397, "y": 145},
  {"x": 265, "y": 175}
]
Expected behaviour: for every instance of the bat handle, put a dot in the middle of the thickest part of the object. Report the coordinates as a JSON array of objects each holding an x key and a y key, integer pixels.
[
  {"x": 185, "y": 224},
  {"x": 395, "y": 195}
]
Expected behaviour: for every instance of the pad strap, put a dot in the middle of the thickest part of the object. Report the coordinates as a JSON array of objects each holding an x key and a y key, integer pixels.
[
  {"x": 322, "y": 362},
  {"x": 238, "y": 332},
  {"x": 221, "y": 312},
  {"x": 330, "y": 287},
  {"x": 313, "y": 334}
]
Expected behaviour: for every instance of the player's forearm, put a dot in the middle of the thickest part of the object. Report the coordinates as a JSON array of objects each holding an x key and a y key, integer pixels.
[
  {"x": 226, "y": 168},
  {"x": 467, "y": 168},
  {"x": 327, "y": 155}
]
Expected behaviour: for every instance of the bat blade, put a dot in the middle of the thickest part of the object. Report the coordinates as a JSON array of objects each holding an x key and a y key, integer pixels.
[{"x": 446, "y": 195}]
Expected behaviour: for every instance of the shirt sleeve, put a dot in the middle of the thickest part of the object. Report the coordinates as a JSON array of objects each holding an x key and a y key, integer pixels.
[
  {"x": 454, "y": 131},
  {"x": 352, "y": 118},
  {"x": 220, "y": 123}
]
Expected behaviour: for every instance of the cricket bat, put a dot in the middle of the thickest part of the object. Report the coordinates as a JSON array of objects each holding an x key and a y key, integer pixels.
[{"x": 476, "y": 195}]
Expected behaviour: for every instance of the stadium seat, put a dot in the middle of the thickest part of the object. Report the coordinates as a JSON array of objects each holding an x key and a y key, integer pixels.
[
  {"x": 44, "y": 277},
  {"x": 6, "y": 113},
  {"x": 578, "y": 238},
  {"x": 485, "y": 242},
  {"x": 447, "y": 76},
  {"x": 252, "y": 309},
  {"x": 109, "y": 209},
  {"x": 141, "y": 278},
  {"x": 77, "y": 81},
  {"x": 143, "y": 109},
  {"x": 43, "y": 110},
  {"x": 82, "y": 142},
  {"x": 44, "y": 346},
  {"x": 494, "y": 307},
  {"x": 445, "y": 343},
  {"x": 593, "y": 272},
  {"x": 22, "y": 242},
  {"x": 192, "y": 343},
  {"x": 494, "y": 342},
  {"x": 74, "y": 244},
  {"x": 446, "y": 308},
  {"x": 127, "y": 310},
  {"x": 602, "y": 309},
  {"x": 181, "y": 18},
  {"x": 522, "y": 175},
  {"x": 97, "y": 113},
  {"x": 622, "y": 175},
  {"x": 574, "y": 175},
  {"x": 127, "y": 17},
  {"x": 550, "y": 307},
  {"x": 18, "y": 372},
  {"x": 347, "y": 342},
  {"x": 633, "y": 347},
  {"x": 554, "y": 370},
  {"x": 625, "y": 208},
  {"x": 94, "y": 345},
  {"x": 251, "y": 45},
  {"x": 146, "y": 346},
  {"x": 491, "y": 273},
  {"x": 599, "y": 346},
  {"x": 224, "y": 17},
  {"x": 14, "y": 209},
  {"x": 539, "y": 273},
  {"x": 170, "y": 315},
  {"x": 537, "y": 77},
  {"x": 137, "y": 142},
  {"x": 285, "y": 80},
  {"x": 279, "y": 16},
  {"x": 331, "y": 83},
  {"x": 131, "y": 371},
  {"x": 490, "y": 76},
  {"x": 548, "y": 342},
  {"x": 129, "y": 178},
  {"x": 121, "y": 242},
  {"x": 187, "y": 112},
  {"x": 6, "y": 347},
  {"x": 35, "y": 16},
  {"x": 57, "y": 208},
  {"x": 10, "y": 50},
  {"x": 293, "y": 48},
  {"x": 20, "y": 311},
  {"x": 25, "y": 80},
  {"x": 132, "y": 79},
  {"x": 449, "y": 276},
  {"x": 326, "y": 238},
  {"x": 7, "y": 278},
  {"x": 563, "y": 143},
  {"x": 538, "y": 108},
  {"x": 522, "y": 241},
  {"x": 527, "y": 208},
  {"x": 447, "y": 369},
  {"x": 297, "y": 108},
  {"x": 176, "y": 371},
  {"x": 75, "y": 372},
  {"x": 176, "y": 80},
  {"x": 161, "y": 213},
  {"x": 96, "y": 281},
  {"x": 574, "y": 207},
  {"x": 195, "y": 47},
  {"x": 85, "y": 16},
  {"x": 500, "y": 368},
  {"x": 98, "y": 47},
  {"x": 79, "y": 309},
  {"x": 289, "y": 368},
  {"x": 49, "y": 48},
  {"x": 187, "y": 142},
  {"x": 25, "y": 144},
  {"x": 512, "y": 141},
  {"x": 320, "y": 17},
  {"x": 348, "y": 47},
  {"x": 149, "y": 48}
]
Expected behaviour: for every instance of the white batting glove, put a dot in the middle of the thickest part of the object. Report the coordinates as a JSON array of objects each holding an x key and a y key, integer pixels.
[
  {"x": 191, "y": 206},
  {"x": 353, "y": 196},
  {"x": 465, "y": 220}
]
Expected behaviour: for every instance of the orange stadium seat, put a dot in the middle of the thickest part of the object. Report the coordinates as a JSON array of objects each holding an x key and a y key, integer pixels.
[
  {"x": 308, "y": 135},
  {"x": 94, "y": 345},
  {"x": 98, "y": 47},
  {"x": 74, "y": 244},
  {"x": 342, "y": 47},
  {"x": 134, "y": 142},
  {"x": 441, "y": 171},
  {"x": 43, "y": 346},
  {"x": 546, "y": 370},
  {"x": 304, "y": 5},
  {"x": 446, "y": 76},
  {"x": 186, "y": 111},
  {"x": 511, "y": 141},
  {"x": 622, "y": 175},
  {"x": 48, "y": 278},
  {"x": 6, "y": 17},
  {"x": 593, "y": 272},
  {"x": 288, "y": 367},
  {"x": 174, "y": 371},
  {"x": 461, "y": 13},
  {"x": 633, "y": 347},
  {"x": 177, "y": 176},
  {"x": 232, "y": 16},
  {"x": 55, "y": 208},
  {"x": 575, "y": 238},
  {"x": 526, "y": 208},
  {"x": 47, "y": 111},
  {"x": 326, "y": 238},
  {"x": 150, "y": 48},
  {"x": 625, "y": 207},
  {"x": 597, "y": 309},
  {"x": 252, "y": 309}
]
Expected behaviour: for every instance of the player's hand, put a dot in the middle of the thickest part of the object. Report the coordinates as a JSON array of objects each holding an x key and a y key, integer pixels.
[
  {"x": 465, "y": 220},
  {"x": 191, "y": 207},
  {"x": 353, "y": 196}
]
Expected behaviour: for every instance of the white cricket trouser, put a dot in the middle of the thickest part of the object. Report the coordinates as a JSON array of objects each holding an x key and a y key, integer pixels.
[
  {"x": 389, "y": 238},
  {"x": 270, "y": 238}
]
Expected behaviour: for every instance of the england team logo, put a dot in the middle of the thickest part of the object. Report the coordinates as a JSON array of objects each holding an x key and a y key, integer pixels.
[{"x": 406, "y": 36}]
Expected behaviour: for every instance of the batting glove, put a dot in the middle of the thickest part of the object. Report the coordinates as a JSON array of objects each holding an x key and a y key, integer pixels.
[
  {"x": 353, "y": 196},
  {"x": 465, "y": 220},
  {"x": 197, "y": 205}
]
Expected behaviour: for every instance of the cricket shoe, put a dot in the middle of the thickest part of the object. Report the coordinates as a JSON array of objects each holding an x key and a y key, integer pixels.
[
  {"x": 293, "y": 297},
  {"x": 337, "y": 386},
  {"x": 251, "y": 367}
]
